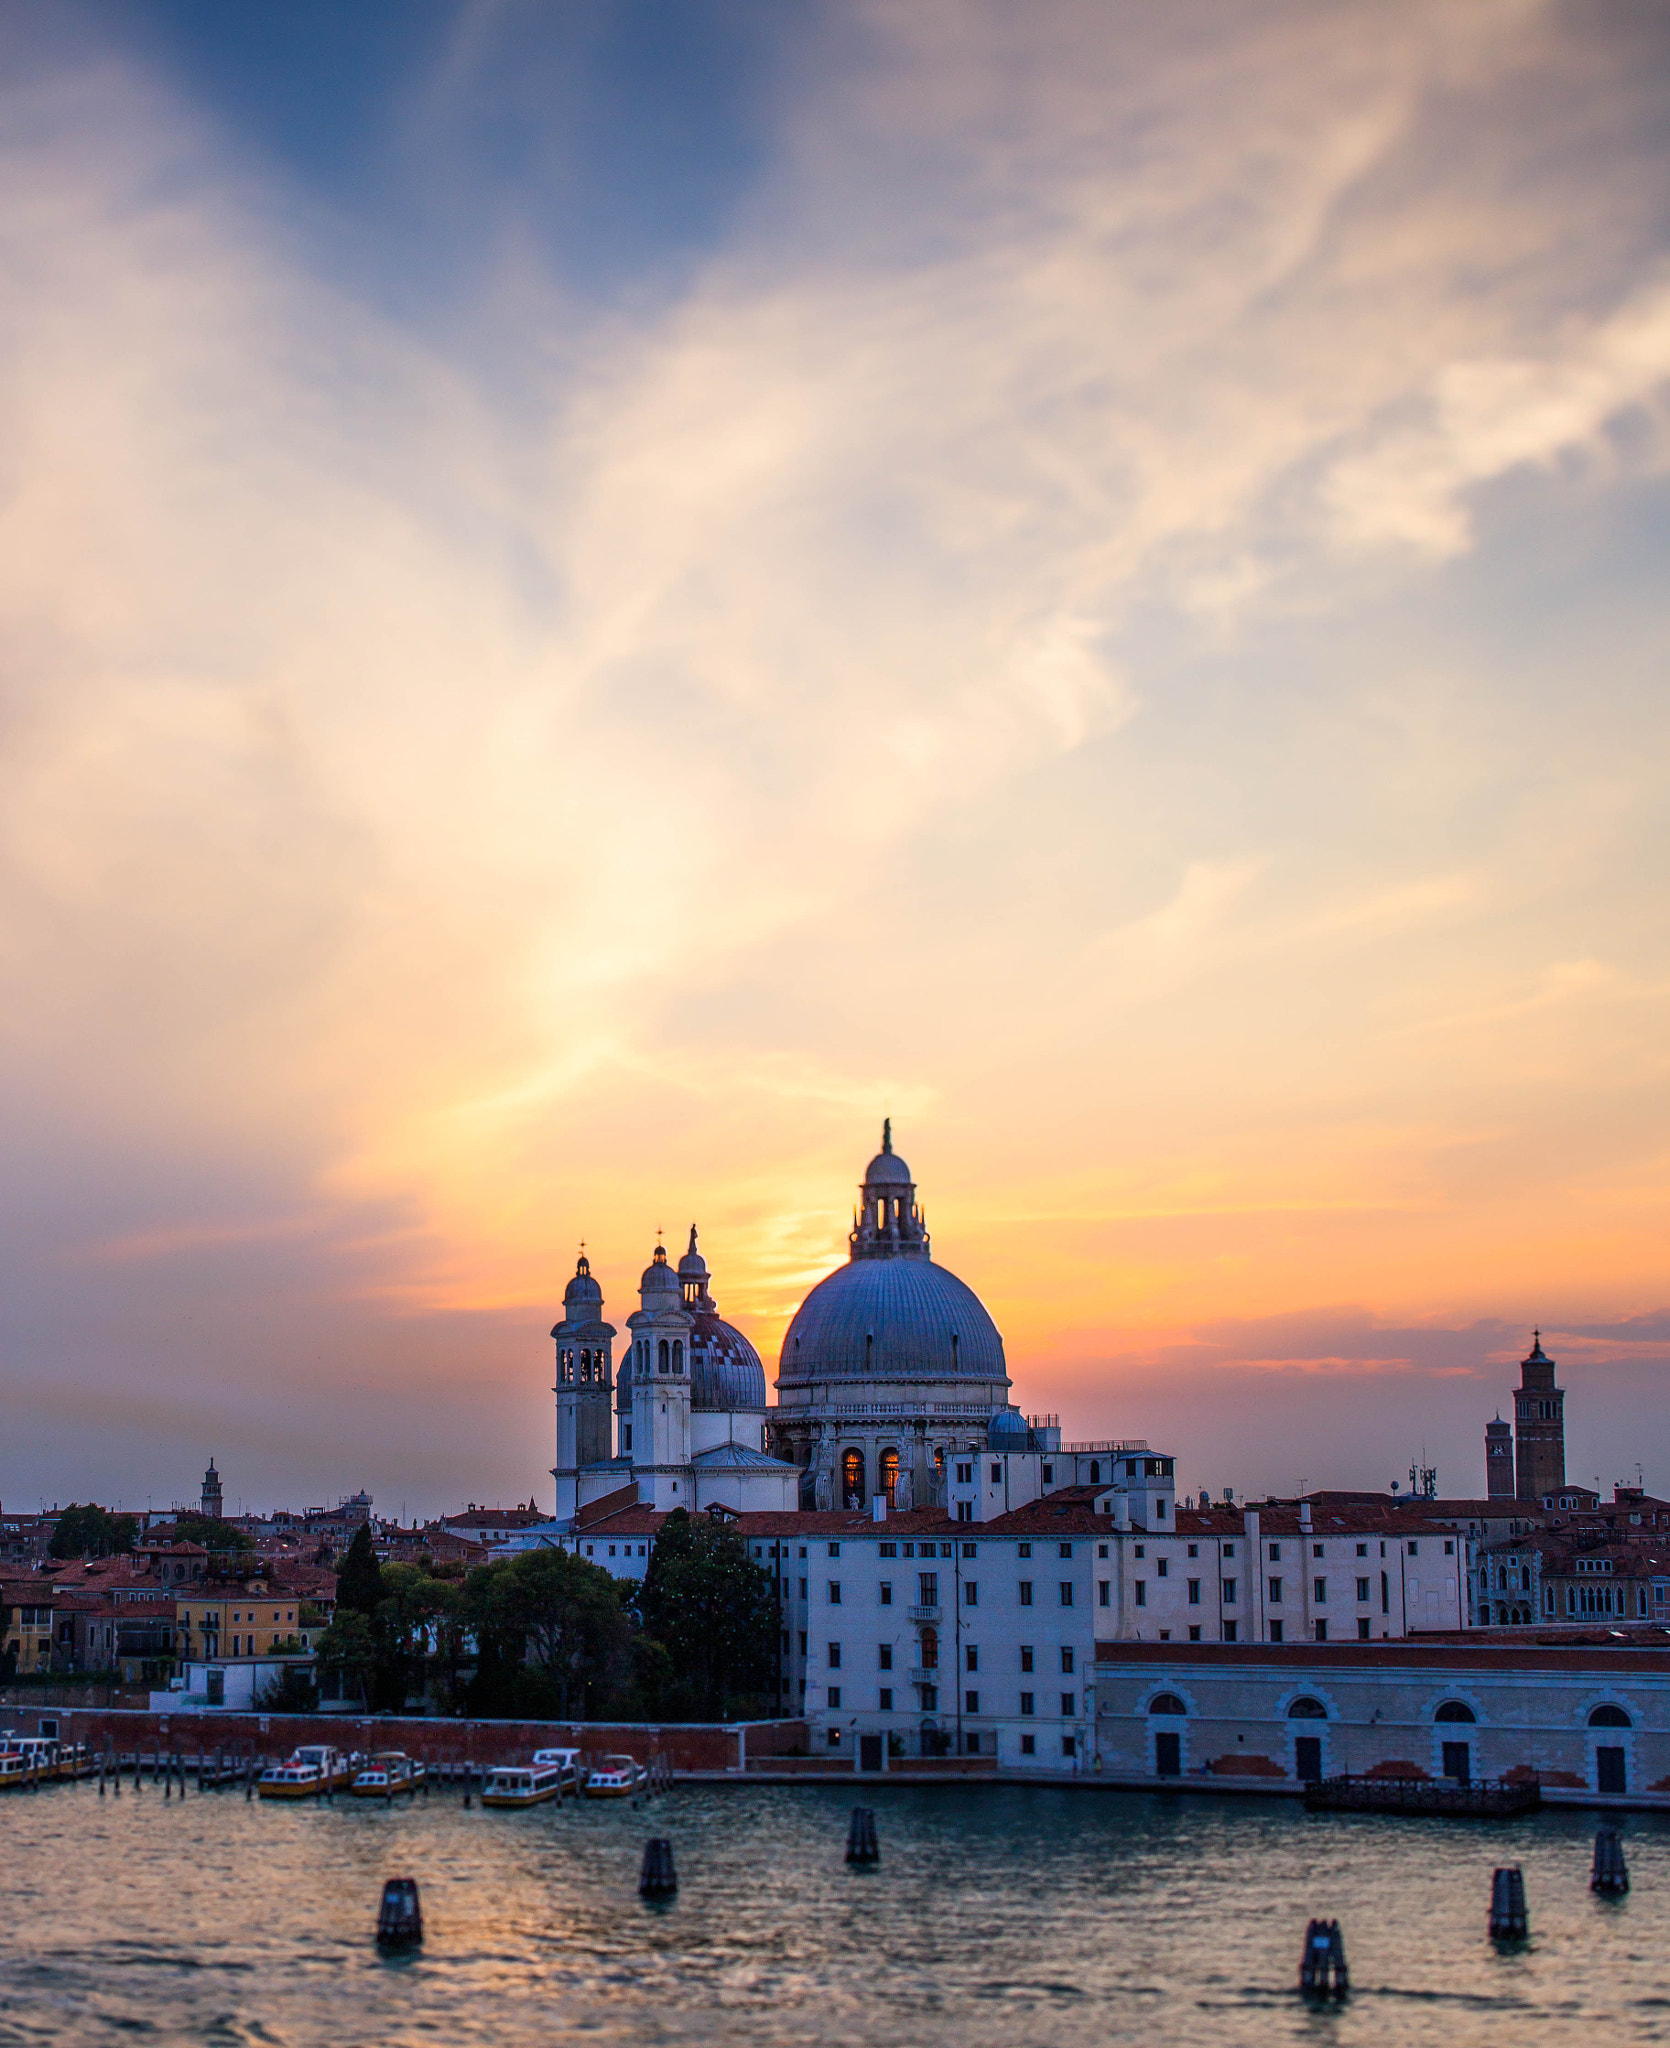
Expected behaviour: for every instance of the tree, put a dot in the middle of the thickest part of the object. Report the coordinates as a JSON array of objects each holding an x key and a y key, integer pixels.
[
  {"x": 551, "y": 1636},
  {"x": 291, "y": 1692},
  {"x": 712, "y": 1609},
  {"x": 210, "y": 1534},
  {"x": 416, "y": 1625},
  {"x": 359, "y": 1584},
  {"x": 90, "y": 1532},
  {"x": 348, "y": 1651}
]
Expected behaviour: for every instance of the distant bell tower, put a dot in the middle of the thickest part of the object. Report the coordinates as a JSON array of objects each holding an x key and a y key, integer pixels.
[
  {"x": 1539, "y": 1426},
  {"x": 1498, "y": 1459},
  {"x": 211, "y": 1493}
]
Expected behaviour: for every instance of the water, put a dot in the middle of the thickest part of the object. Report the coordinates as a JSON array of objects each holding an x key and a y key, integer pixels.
[{"x": 999, "y": 1917}]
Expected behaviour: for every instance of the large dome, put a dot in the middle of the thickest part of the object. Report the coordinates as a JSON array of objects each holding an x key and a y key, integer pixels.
[
  {"x": 892, "y": 1318},
  {"x": 725, "y": 1369}
]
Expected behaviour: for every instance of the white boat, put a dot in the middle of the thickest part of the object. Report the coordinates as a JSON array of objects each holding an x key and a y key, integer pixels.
[
  {"x": 566, "y": 1760},
  {"x": 617, "y": 1777},
  {"x": 386, "y": 1772},
  {"x": 307, "y": 1772},
  {"x": 522, "y": 1784}
]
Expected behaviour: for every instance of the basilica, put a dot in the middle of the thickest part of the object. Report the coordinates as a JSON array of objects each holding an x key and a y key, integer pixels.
[{"x": 891, "y": 1381}]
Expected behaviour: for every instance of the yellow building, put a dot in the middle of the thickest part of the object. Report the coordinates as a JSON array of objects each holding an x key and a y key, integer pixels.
[
  {"x": 28, "y": 1630},
  {"x": 237, "y": 1621}
]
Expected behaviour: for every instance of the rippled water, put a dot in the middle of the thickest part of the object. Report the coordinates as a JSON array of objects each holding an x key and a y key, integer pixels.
[{"x": 1002, "y": 1916}]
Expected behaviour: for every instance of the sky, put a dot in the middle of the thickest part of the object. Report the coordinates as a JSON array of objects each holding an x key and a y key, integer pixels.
[{"x": 594, "y": 597}]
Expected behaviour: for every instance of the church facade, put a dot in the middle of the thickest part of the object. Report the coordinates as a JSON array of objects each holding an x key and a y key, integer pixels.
[{"x": 892, "y": 1387}]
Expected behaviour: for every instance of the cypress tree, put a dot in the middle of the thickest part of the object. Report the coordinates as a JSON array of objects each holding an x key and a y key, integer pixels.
[{"x": 359, "y": 1584}]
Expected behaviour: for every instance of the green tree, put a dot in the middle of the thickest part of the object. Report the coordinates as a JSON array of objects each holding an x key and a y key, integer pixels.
[
  {"x": 552, "y": 1639},
  {"x": 290, "y": 1692},
  {"x": 90, "y": 1532},
  {"x": 211, "y": 1534},
  {"x": 712, "y": 1609},
  {"x": 415, "y": 1628},
  {"x": 359, "y": 1582},
  {"x": 347, "y": 1651}
]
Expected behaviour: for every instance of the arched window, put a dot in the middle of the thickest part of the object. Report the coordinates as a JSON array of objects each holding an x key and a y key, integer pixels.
[
  {"x": 678, "y": 1354},
  {"x": 887, "y": 1474},
  {"x": 930, "y": 1649},
  {"x": 1305, "y": 1709},
  {"x": 1166, "y": 1703},
  {"x": 1609, "y": 1716},
  {"x": 1455, "y": 1710},
  {"x": 661, "y": 1355},
  {"x": 852, "y": 1479},
  {"x": 568, "y": 1367}
]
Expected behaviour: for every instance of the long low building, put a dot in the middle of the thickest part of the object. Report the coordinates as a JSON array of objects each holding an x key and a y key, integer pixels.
[{"x": 1582, "y": 1718}]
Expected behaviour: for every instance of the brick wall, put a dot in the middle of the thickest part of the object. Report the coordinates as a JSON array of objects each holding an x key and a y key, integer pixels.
[{"x": 692, "y": 1747}]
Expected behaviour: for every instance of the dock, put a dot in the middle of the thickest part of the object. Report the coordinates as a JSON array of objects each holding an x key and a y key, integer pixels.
[{"x": 1484, "y": 1799}]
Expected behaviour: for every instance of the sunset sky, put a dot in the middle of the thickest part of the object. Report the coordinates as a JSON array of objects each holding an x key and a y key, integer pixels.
[{"x": 594, "y": 596}]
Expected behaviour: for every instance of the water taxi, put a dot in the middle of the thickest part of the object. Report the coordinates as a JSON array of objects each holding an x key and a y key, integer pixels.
[
  {"x": 566, "y": 1760},
  {"x": 617, "y": 1777},
  {"x": 44, "y": 1756},
  {"x": 386, "y": 1772},
  {"x": 306, "y": 1773},
  {"x": 14, "y": 1771},
  {"x": 522, "y": 1784}
]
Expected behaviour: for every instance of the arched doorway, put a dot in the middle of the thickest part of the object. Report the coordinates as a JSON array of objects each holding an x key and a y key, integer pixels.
[{"x": 852, "y": 1479}]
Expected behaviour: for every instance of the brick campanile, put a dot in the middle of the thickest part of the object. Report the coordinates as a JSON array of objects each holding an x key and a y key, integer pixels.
[
  {"x": 1498, "y": 1460},
  {"x": 1539, "y": 1424}
]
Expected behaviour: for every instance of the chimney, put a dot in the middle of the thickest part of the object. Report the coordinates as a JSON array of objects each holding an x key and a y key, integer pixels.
[
  {"x": 878, "y": 1508},
  {"x": 1304, "y": 1516},
  {"x": 1122, "y": 1511}
]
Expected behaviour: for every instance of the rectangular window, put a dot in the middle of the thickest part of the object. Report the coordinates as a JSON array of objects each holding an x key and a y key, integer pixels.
[
  {"x": 890, "y": 1550},
  {"x": 1414, "y": 1550},
  {"x": 1141, "y": 1550},
  {"x": 1275, "y": 1592},
  {"x": 965, "y": 1475},
  {"x": 1160, "y": 1568},
  {"x": 1316, "y": 1550},
  {"x": 971, "y": 1703},
  {"x": 1362, "y": 1591},
  {"x": 997, "y": 1473},
  {"x": 1229, "y": 1592},
  {"x": 969, "y": 1549},
  {"x": 834, "y": 1550},
  {"x": 803, "y": 1589},
  {"x": 1321, "y": 1631},
  {"x": 1141, "y": 1590},
  {"x": 1025, "y": 1549},
  {"x": 1194, "y": 1592},
  {"x": 971, "y": 1592},
  {"x": 1049, "y": 1475},
  {"x": 1026, "y": 1592},
  {"x": 1275, "y": 1553},
  {"x": 803, "y": 1642},
  {"x": 1362, "y": 1550},
  {"x": 884, "y": 1656},
  {"x": 1385, "y": 1594},
  {"x": 1277, "y": 1633},
  {"x": 1362, "y": 1628},
  {"x": 834, "y": 1695},
  {"x": 1194, "y": 1550},
  {"x": 1065, "y": 1549},
  {"x": 1026, "y": 1703},
  {"x": 1069, "y": 1705},
  {"x": 1449, "y": 1546},
  {"x": 1229, "y": 1550},
  {"x": 1319, "y": 1589},
  {"x": 1066, "y": 1592},
  {"x": 1067, "y": 1664},
  {"x": 1026, "y": 1656},
  {"x": 1104, "y": 1593},
  {"x": 927, "y": 1587},
  {"x": 886, "y": 1698},
  {"x": 1229, "y": 1631},
  {"x": 965, "y": 1511},
  {"x": 1029, "y": 1745},
  {"x": 886, "y": 1590},
  {"x": 971, "y": 1657},
  {"x": 1101, "y": 1550},
  {"x": 834, "y": 1656},
  {"x": 834, "y": 1592},
  {"x": 1194, "y": 1632}
]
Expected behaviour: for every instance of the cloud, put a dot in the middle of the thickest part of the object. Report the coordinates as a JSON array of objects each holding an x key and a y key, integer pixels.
[{"x": 464, "y": 792}]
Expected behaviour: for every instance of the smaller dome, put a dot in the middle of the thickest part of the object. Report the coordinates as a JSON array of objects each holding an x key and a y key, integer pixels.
[
  {"x": 658, "y": 1276},
  {"x": 887, "y": 1169},
  {"x": 1008, "y": 1431},
  {"x": 582, "y": 1288}
]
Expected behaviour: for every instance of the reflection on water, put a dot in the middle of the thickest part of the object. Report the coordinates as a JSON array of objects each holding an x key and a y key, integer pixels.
[{"x": 997, "y": 1916}]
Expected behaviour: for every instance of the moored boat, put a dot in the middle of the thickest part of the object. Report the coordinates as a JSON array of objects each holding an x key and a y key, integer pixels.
[
  {"x": 521, "y": 1784},
  {"x": 567, "y": 1761},
  {"x": 307, "y": 1773},
  {"x": 617, "y": 1777},
  {"x": 386, "y": 1772}
]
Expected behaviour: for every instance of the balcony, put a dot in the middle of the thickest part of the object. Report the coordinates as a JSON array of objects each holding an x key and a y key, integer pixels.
[
  {"x": 933, "y": 1614},
  {"x": 925, "y": 1674}
]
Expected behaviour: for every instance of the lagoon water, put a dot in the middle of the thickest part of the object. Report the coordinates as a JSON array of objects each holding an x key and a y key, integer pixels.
[{"x": 998, "y": 1917}]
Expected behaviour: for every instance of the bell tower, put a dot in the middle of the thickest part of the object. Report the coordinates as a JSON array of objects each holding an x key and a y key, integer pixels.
[
  {"x": 1539, "y": 1426},
  {"x": 584, "y": 1380},
  {"x": 212, "y": 1498},
  {"x": 661, "y": 1328},
  {"x": 1498, "y": 1460}
]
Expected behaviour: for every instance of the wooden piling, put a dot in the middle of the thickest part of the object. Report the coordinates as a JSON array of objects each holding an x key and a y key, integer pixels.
[
  {"x": 1509, "y": 1919},
  {"x": 1322, "y": 1970},
  {"x": 1610, "y": 1876}
]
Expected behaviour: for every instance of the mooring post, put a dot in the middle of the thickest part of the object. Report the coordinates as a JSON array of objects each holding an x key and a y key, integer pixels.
[
  {"x": 1322, "y": 1970},
  {"x": 400, "y": 1918},
  {"x": 862, "y": 1845},
  {"x": 657, "y": 1879},
  {"x": 1509, "y": 1919},
  {"x": 1610, "y": 1877}
]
